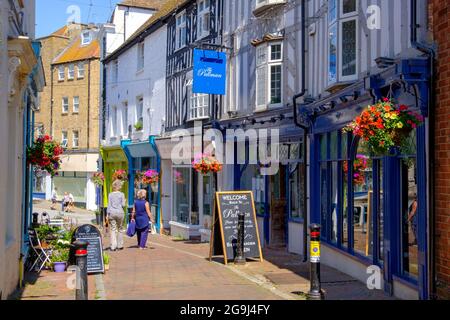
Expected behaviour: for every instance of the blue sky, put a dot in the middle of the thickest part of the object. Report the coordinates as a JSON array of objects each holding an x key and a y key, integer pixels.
[{"x": 52, "y": 14}]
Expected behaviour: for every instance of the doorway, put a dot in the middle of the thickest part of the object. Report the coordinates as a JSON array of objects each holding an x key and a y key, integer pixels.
[{"x": 278, "y": 209}]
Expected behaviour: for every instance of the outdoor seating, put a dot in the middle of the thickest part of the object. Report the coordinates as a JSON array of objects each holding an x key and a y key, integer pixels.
[{"x": 42, "y": 253}]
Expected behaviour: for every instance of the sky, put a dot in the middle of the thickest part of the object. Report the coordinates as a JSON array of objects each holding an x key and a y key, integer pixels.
[{"x": 53, "y": 14}]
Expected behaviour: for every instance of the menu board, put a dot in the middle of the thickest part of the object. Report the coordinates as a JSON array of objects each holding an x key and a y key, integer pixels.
[
  {"x": 224, "y": 233},
  {"x": 93, "y": 236}
]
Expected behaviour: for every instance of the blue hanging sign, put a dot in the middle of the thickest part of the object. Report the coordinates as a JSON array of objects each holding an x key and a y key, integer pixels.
[{"x": 210, "y": 69}]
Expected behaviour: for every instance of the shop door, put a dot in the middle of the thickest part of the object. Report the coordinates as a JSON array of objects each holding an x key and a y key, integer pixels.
[{"x": 278, "y": 209}]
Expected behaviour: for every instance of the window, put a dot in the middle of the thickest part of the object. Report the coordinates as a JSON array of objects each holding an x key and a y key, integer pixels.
[
  {"x": 65, "y": 105},
  {"x": 80, "y": 70},
  {"x": 71, "y": 73},
  {"x": 61, "y": 73},
  {"x": 181, "y": 182},
  {"x": 269, "y": 75},
  {"x": 76, "y": 104},
  {"x": 86, "y": 38},
  {"x": 203, "y": 22},
  {"x": 115, "y": 71},
  {"x": 64, "y": 139},
  {"x": 125, "y": 119},
  {"x": 114, "y": 122},
  {"x": 342, "y": 40},
  {"x": 75, "y": 137},
  {"x": 198, "y": 104},
  {"x": 181, "y": 31},
  {"x": 140, "y": 59},
  {"x": 208, "y": 194},
  {"x": 139, "y": 108}
]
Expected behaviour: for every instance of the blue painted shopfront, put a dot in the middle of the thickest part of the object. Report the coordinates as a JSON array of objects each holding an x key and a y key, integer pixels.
[
  {"x": 278, "y": 199},
  {"x": 371, "y": 221},
  {"x": 141, "y": 157}
]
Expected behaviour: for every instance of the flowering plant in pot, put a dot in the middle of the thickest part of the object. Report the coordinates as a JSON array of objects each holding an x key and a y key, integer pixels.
[
  {"x": 206, "y": 163},
  {"x": 385, "y": 125},
  {"x": 359, "y": 168},
  {"x": 98, "y": 179},
  {"x": 45, "y": 154},
  {"x": 151, "y": 177},
  {"x": 106, "y": 259},
  {"x": 59, "y": 259},
  {"x": 119, "y": 175}
]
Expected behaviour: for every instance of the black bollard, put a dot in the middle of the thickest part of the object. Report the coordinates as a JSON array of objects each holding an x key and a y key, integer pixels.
[
  {"x": 315, "y": 292},
  {"x": 35, "y": 219},
  {"x": 81, "y": 260},
  {"x": 240, "y": 258}
]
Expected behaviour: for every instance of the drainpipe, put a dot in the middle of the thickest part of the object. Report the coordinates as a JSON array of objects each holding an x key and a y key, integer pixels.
[
  {"x": 52, "y": 69},
  {"x": 431, "y": 136},
  {"x": 305, "y": 132}
]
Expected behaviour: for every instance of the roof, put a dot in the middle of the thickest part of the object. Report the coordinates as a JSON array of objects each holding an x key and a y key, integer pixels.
[
  {"x": 62, "y": 32},
  {"x": 147, "y": 4},
  {"x": 166, "y": 9},
  {"x": 76, "y": 52}
]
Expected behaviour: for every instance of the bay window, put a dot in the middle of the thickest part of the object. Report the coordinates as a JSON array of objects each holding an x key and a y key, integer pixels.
[
  {"x": 269, "y": 75},
  {"x": 343, "y": 42}
]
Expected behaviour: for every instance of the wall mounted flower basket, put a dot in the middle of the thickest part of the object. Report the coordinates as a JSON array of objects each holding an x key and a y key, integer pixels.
[
  {"x": 206, "y": 163},
  {"x": 45, "y": 154},
  {"x": 98, "y": 179},
  {"x": 120, "y": 175},
  {"x": 385, "y": 126}
]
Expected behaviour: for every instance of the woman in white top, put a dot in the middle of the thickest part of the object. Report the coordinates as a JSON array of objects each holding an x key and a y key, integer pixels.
[{"x": 115, "y": 215}]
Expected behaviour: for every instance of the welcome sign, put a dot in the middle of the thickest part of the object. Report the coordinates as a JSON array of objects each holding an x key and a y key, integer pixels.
[{"x": 209, "y": 73}]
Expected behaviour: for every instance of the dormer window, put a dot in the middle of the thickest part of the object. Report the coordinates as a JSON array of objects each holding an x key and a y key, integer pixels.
[{"x": 86, "y": 38}]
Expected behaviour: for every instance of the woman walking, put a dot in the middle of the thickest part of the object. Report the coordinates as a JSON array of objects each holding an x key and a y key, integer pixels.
[
  {"x": 115, "y": 215},
  {"x": 142, "y": 216}
]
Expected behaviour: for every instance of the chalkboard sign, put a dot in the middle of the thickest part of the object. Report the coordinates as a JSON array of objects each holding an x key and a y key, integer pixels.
[
  {"x": 224, "y": 229},
  {"x": 92, "y": 235}
]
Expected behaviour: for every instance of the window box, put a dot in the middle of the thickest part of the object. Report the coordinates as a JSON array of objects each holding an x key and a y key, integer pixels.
[{"x": 263, "y": 5}]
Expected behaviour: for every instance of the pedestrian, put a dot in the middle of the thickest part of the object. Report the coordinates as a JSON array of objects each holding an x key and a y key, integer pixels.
[
  {"x": 115, "y": 215},
  {"x": 142, "y": 216},
  {"x": 71, "y": 202},
  {"x": 65, "y": 202},
  {"x": 54, "y": 199},
  {"x": 412, "y": 217}
]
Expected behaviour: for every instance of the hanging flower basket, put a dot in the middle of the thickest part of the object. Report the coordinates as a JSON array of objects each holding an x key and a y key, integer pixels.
[
  {"x": 385, "y": 126},
  {"x": 205, "y": 163},
  {"x": 151, "y": 177},
  {"x": 120, "y": 175},
  {"x": 45, "y": 155},
  {"x": 98, "y": 179},
  {"x": 359, "y": 168},
  {"x": 178, "y": 177}
]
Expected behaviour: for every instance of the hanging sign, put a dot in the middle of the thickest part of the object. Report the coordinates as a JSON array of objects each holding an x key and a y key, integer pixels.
[
  {"x": 209, "y": 75},
  {"x": 224, "y": 229}
]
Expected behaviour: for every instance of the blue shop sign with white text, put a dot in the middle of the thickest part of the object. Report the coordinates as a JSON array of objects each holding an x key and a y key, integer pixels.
[{"x": 209, "y": 72}]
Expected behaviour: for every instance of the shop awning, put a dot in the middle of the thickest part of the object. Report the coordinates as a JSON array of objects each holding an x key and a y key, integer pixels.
[{"x": 141, "y": 150}]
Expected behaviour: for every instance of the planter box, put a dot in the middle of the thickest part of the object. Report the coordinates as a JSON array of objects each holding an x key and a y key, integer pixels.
[{"x": 184, "y": 231}]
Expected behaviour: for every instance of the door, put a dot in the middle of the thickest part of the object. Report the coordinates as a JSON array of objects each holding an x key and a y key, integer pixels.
[{"x": 278, "y": 209}]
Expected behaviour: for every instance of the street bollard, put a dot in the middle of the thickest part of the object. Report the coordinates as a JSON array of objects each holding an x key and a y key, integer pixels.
[
  {"x": 240, "y": 258},
  {"x": 315, "y": 292},
  {"x": 81, "y": 261},
  {"x": 35, "y": 219}
]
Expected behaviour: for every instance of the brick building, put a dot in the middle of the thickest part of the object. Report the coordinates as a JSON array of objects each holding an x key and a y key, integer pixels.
[
  {"x": 440, "y": 27},
  {"x": 70, "y": 110}
]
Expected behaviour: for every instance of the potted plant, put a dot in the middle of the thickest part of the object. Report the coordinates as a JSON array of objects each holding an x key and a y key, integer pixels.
[
  {"x": 59, "y": 259},
  {"x": 139, "y": 125},
  {"x": 45, "y": 154},
  {"x": 385, "y": 126},
  {"x": 106, "y": 260},
  {"x": 151, "y": 177},
  {"x": 206, "y": 163}
]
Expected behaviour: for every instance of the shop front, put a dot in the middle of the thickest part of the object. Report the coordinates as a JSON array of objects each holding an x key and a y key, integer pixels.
[
  {"x": 279, "y": 196},
  {"x": 187, "y": 196},
  {"x": 114, "y": 158},
  {"x": 143, "y": 156},
  {"x": 373, "y": 209}
]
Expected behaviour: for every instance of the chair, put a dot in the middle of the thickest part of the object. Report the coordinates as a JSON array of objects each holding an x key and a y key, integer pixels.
[{"x": 42, "y": 254}]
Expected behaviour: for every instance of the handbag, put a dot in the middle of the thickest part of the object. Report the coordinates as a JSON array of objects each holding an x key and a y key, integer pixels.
[
  {"x": 131, "y": 230},
  {"x": 152, "y": 228}
]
